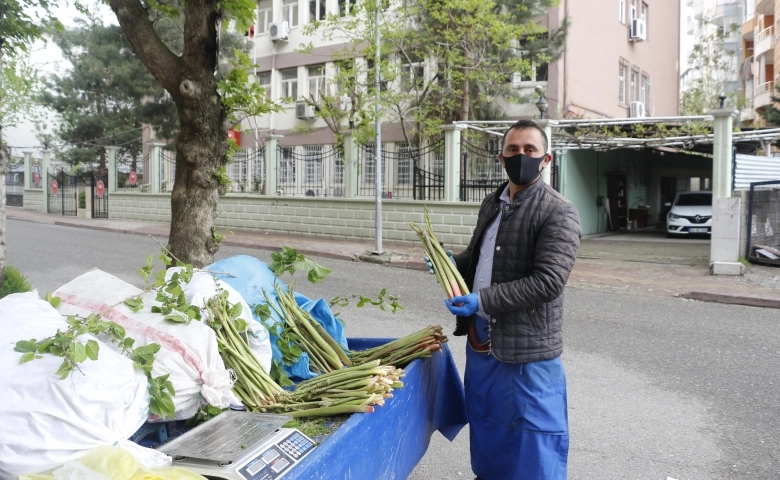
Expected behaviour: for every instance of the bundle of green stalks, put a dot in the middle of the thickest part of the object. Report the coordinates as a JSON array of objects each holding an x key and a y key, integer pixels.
[
  {"x": 253, "y": 385},
  {"x": 325, "y": 354},
  {"x": 355, "y": 389},
  {"x": 446, "y": 273},
  {"x": 402, "y": 351}
]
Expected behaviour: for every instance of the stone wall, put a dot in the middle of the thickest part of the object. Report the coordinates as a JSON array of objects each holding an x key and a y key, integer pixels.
[
  {"x": 34, "y": 200},
  {"x": 346, "y": 218}
]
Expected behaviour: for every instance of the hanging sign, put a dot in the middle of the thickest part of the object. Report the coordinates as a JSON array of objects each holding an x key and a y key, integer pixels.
[
  {"x": 235, "y": 135},
  {"x": 100, "y": 188},
  {"x": 132, "y": 178},
  {"x": 54, "y": 187}
]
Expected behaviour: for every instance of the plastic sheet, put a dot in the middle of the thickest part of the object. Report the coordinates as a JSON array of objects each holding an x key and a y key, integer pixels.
[{"x": 251, "y": 278}]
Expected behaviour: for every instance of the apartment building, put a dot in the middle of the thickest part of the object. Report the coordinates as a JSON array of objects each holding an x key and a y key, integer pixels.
[
  {"x": 620, "y": 60},
  {"x": 757, "y": 72}
]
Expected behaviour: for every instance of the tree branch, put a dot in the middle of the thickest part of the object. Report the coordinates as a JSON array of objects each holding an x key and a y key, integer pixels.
[{"x": 139, "y": 30}]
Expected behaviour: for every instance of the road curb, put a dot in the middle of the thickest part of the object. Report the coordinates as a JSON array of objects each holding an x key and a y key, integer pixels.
[{"x": 732, "y": 299}]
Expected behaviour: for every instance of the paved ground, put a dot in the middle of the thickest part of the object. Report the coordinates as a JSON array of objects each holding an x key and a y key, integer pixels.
[{"x": 637, "y": 262}]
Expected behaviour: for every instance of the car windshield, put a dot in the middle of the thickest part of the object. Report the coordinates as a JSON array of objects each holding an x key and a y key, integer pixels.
[{"x": 694, "y": 200}]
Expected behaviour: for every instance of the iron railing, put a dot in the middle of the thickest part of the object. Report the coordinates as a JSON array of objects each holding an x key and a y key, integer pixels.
[
  {"x": 310, "y": 170},
  {"x": 763, "y": 223},
  {"x": 481, "y": 171}
]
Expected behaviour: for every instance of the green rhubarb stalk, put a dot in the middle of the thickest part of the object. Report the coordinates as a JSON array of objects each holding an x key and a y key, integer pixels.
[
  {"x": 333, "y": 343},
  {"x": 439, "y": 267}
]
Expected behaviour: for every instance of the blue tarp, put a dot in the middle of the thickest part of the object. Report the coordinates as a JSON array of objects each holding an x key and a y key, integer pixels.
[
  {"x": 388, "y": 443},
  {"x": 251, "y": 277}
]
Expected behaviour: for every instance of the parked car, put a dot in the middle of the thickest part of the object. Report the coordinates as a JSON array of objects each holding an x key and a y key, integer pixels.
[{"x": 690, "y": 214}]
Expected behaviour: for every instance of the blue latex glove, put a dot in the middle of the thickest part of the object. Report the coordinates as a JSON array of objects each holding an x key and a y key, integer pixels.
[
  {"x": 430, "y": 265},
  {"x": 464, "y": 306}
]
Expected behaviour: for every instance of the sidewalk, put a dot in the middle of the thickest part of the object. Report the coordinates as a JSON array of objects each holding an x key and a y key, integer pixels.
[{"x": 631, "y": 263}]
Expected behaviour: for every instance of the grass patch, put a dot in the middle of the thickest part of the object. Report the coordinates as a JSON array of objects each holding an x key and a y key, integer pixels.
[
  {"x": 14, "y": 282},
  {"x": 317, "y": 428}
]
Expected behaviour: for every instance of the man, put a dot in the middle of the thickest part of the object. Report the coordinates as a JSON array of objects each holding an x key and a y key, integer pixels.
[{"x": 516, "y": 266}]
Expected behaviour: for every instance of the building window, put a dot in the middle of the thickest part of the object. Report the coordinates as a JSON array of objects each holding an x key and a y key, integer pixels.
[
  {"x": 622, "y": 13},
  {"x": 369, "y": 164},
  {"x": 312, "y": 164},
  {"x": 645, "y": 94},
  {"x": 316, "y": 82},
  {"x": 264, "y": 79},
  {"x": 644, "y": 18},
  {"x": 412, "y": 73},
  {"x": 316, "y": 10},
  {"x": 290, "y": 12},
  {"x": 264, "y": 16},
  {"x": 405, "y": 165},
  {"x": 529, "y": 49},
  {"x": 632, "y": 10},
  {"x": 634, "y": 86},
  {"x": 287, "y": 165},
  {"x": 623, "y": 84},
  {"x": 347, "y": 7},
  {"x": 289, "y": 83}
]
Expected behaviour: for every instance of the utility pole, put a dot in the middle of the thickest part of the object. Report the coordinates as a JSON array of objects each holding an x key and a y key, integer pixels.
[{"x": 378, "y": 127}]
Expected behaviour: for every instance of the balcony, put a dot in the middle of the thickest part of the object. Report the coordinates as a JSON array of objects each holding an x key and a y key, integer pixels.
[
  {"x": 689, "y": 26},
  {"x": 698, "y": 9},
  {"x": 748, "y": 28},
  {"x": 765, "y": 43},
  {"x": 765, "y": 7},
  {"x": 763, "y": 95},
  {"x": 689, "y": 3}
]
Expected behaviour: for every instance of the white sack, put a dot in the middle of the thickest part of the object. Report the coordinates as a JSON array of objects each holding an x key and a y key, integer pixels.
[
  {"x": 204, "y": 286},
  {"x": 47, "y": 421},
  {"x": 187, "y": 352}
]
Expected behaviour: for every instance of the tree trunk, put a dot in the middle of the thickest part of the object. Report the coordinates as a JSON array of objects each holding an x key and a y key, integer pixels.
[
  {"x": 3, "y": 173},
  {"x": 201, "y": 144},
  {"x": 464, "y": 104}
]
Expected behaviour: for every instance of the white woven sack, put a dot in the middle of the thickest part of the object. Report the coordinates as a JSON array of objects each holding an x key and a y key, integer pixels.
[
  {"x": 188, "y": 353},
  {"x": 47, "y": 421}
]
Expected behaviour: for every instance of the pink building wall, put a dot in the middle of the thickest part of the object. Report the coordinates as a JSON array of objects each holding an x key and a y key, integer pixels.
[{"x": 585, "y": 81}]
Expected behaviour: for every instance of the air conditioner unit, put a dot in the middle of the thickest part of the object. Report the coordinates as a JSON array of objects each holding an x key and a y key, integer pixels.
[
  {"x": 315, "y": 192},
  {"x": 636, "y": 110},
  {"x": 304, "y": 111},
  {"x": 278, "y": 31},
  {"x": 638, "y": 31}
]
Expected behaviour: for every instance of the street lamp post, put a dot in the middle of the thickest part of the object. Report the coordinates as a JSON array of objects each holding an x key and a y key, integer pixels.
[{"x": 378, "y": 127}]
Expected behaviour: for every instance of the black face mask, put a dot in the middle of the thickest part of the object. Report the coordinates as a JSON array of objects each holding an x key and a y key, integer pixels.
[{"x": 522, "y": 169}]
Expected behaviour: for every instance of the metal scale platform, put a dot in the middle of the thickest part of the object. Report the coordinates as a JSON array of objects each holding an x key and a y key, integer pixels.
[{"x": 240, "y": 446}]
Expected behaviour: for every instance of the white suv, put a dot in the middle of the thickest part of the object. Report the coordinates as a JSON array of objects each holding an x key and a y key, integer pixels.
[{"x": 691, "y": 214}]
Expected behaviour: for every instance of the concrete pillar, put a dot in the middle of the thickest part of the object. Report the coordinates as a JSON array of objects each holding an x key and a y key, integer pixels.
[
  {"x": 452, "y": 161},
  {"x": 45, "y": 183},
  {"x": 28, "y": 170},
  {"x": 547, "y": 125},
  {"x": 155, "y": 164},
  {"x": 351, "y": 164},
  {"x": 562, "y": 187},
  {"x": 271, "y": 162},
  {"x": 112, "y": 168},
  {"x": 726, "y": 211}
]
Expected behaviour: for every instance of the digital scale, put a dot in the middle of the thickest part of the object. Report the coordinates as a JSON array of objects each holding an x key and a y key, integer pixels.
[{"x": 237, "y": 445}]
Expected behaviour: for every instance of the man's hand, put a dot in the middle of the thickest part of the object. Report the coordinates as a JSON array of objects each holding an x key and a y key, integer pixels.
[
  {"x": 465, "y": 306},
  {"x": 430, "y": 265}
]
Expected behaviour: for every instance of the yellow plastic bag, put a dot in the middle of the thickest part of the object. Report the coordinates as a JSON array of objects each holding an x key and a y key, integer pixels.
[{"x": 118, "y": 464}]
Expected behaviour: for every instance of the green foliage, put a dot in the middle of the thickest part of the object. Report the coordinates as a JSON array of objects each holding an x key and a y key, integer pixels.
[
  {"x": 239, "y": 95},
  {"x": 22, "y": 22},
  {"x": 104, "y": 95},
  {"x": 14, "y": 282},
  {"x": 82, "y": 199},
  {"x": 19, "y": 86},
  {"x": 289, "y": 260},
  {"x": 770, "y": 113},
  {"x": 206, "y": 412},
  {"x": 384, "y": 304},
  {"x": 75, "y": 352},
  {"x": 174, "y": 306},
  {"x": 714, "y": 65}
]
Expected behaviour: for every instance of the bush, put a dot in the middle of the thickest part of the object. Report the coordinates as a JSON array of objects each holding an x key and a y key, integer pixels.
[
  {"x": 14, "y": 282},
  {"x": 82, "y": 199}
]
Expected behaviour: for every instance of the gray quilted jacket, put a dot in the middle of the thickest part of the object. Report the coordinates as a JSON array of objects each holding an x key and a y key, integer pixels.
[{"x": 536, "y": 246}]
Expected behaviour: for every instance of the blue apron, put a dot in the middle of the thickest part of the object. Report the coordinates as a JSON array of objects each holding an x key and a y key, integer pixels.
[{"x": 517, "y": 414}]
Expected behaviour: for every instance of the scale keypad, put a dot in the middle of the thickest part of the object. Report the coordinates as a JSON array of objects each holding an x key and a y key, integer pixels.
[{"x": 296, "y": 445}]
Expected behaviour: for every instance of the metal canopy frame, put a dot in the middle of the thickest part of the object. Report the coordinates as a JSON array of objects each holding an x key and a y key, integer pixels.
[{"x": 563, "y": 140}]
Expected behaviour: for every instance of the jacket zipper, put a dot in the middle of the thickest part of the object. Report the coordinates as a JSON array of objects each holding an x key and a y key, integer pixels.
[{"x": 538, "y": 318}]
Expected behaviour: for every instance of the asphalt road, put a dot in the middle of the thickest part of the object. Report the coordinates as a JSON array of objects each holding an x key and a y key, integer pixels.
[{"x": 658, "y": 387}]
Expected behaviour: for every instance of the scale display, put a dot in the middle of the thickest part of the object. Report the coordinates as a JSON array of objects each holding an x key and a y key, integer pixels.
[{"x": 240, "y": 446}]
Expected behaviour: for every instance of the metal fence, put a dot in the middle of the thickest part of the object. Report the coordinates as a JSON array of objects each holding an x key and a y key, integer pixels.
[
  {"x": 36, "y": 175},
  {"x": 481, "y": 172},
  {"x": 130, "y": 173},
  {"x": 407, "y": 172},
  {"x": 167, "y": 170},
  {"x": 310, "y": 170},
  {"x": 247, "y": 171},
  {"x": 14, "y": 184},
  {"x": 763, "y": 223}
]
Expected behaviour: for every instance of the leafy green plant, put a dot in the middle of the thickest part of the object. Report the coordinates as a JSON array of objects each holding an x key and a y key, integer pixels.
[
  {"x": 14, "y": 282},
  {"x": 82, "y": 199},
  {"x": 75, "y": 352},
  {"x": 289, "y": 260}
]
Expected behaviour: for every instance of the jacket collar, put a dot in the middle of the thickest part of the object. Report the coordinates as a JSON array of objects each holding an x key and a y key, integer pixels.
[{"x": 519, "y": 196}]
